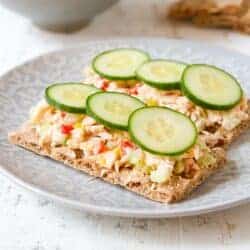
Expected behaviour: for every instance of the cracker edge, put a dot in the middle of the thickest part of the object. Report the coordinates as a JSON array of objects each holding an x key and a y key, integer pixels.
[{"x": 240, "y": 129}]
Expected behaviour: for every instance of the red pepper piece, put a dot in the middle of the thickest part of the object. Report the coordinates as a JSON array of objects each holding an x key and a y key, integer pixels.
[
  {"x": 66, "y": 128},
  {"x": 102, "y": 148},
  {"x": 127, "y": 144},
  {"x": 105, "y": 84}
]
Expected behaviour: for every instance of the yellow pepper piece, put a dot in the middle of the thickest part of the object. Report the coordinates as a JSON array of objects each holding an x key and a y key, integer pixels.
[
  {"x": 78, "y": 125},
  {"x": 151, "y": 102},
  {"x": 148, "y": 169},
  {"x": 101, "y": 161},
  {"x": 117, "y": 152}
]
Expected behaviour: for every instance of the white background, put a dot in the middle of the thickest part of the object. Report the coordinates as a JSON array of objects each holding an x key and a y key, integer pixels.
[{"x": 30, "y": 222}]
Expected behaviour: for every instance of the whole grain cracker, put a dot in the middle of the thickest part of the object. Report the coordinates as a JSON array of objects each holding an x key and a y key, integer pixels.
[{"x": 209, "y": 13}]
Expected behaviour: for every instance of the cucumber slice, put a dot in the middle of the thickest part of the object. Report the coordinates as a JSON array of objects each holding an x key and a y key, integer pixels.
[
  {"x": 211, "y": 87},
  {"x": 162, "y": 131},
  {"x": 112, "y": 108},
  {"x": 119, "y": 64},
  {"x": 161, "y": 74},
  {"x": 70, "y": 97}
]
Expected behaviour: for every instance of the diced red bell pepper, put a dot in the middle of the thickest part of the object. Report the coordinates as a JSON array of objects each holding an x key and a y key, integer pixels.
[
  {"x": 102, "y": 148},
  {"x": 66, "y": 128},
  {"x": 105, "y": 84},
  {"x": 127, "y": 144}
]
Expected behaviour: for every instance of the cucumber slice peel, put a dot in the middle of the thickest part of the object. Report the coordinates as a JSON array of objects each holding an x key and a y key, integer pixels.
[
  {"x": 161, "y": 74},
  {"x": 112, "y": 108},
  {"x": 211, "y": 87},
  {"x": 162, "y": 131},
  {"x": 70, "y": 97},
  {"x": 119, "y": 64}
]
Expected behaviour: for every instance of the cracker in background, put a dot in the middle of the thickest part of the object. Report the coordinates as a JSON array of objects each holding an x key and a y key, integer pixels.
[{"x": 210, "y": 13}]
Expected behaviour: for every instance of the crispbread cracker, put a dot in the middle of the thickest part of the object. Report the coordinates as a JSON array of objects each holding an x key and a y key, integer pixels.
[
  {"x": 176, "y": 189},
  {"x": 210, "y": 13}
]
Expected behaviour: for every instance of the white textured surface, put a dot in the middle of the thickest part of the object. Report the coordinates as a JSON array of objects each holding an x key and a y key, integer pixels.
[{"x": 30, "y": 222}]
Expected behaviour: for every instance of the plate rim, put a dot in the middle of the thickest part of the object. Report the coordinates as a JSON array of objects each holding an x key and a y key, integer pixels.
[
  {"x": 107, "y": 210},
  {"x": 122, "y": 212}
]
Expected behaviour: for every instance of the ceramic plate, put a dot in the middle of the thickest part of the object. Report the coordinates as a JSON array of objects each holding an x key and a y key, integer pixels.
[{"x": 23, "y": 86}]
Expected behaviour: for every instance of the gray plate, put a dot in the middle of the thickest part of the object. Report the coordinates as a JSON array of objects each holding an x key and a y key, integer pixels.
[{"x": 23, "y": 86}]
